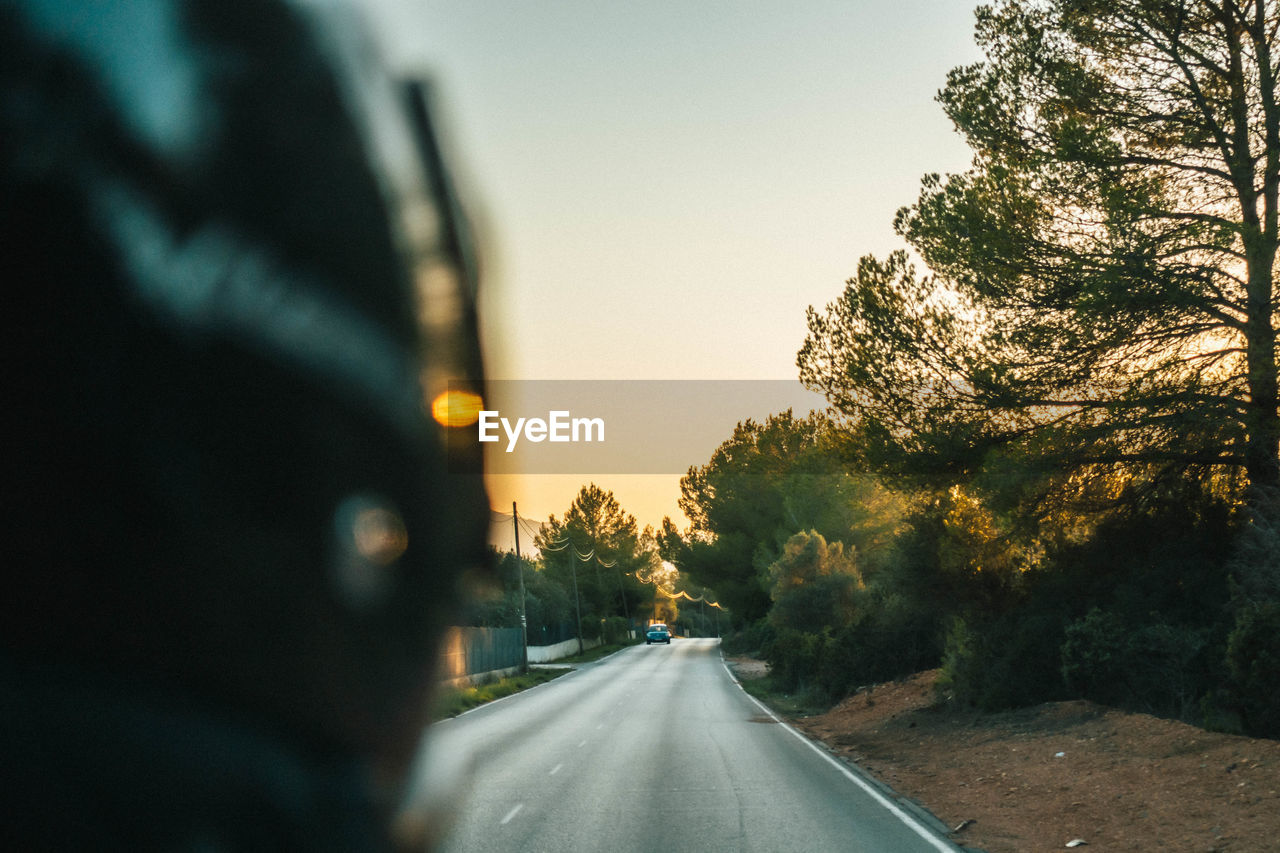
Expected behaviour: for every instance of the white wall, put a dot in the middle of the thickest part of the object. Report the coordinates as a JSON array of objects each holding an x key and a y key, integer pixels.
[{"x": 555, "y": 651}]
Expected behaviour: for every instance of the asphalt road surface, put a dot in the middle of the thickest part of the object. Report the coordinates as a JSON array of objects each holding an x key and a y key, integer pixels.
[{"x": 657, "y": 750}]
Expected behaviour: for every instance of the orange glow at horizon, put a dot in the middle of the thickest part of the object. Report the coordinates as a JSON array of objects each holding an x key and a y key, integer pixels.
[{"x": 649, "y": 497}]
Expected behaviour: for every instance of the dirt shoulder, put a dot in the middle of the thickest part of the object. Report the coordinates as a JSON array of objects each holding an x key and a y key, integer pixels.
[{"x": 1039, "y": 778}]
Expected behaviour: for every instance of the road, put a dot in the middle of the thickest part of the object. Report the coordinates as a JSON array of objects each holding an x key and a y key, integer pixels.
[{"x": 657, "y": 749}]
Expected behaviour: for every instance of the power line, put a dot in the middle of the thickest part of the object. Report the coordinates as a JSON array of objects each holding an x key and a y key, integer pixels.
[
  {"x": 685, "y": 595},
  {"x": 530, "y": 527}
]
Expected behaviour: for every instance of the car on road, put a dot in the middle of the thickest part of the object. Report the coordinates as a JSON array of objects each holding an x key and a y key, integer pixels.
[{"x": 657, "y": 633}]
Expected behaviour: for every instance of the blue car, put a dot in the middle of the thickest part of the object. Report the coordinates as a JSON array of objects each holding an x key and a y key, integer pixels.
[{"x": 657, "y": 633}]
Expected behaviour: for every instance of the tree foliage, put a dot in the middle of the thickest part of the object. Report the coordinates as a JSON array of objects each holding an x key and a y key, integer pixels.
[
  {"x": 1101, "y": 287},
  {"x": 498, "y": 605},
  {"x": 596, "y": 547},
  {"x": 813, "y": 584},
  {"x": 1072, "y": 369},
  {"x": 765, "y": 483}
]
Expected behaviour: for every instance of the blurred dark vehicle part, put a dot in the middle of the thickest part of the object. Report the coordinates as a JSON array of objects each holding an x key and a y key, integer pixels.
[{"x": 235, "y": 278}]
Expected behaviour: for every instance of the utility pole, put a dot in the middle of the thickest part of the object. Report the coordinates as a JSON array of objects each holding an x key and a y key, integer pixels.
[
  {"x": 524, "y": 622},
  {"x": 623, "y": 590},
  {"x": 577, "y": 605}
]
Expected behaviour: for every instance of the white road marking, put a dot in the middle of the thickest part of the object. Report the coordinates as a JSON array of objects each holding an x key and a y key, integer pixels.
[
  {"x": 506, "y": 820},
  {"x": 584, "y": 743},
  {"x": 897, "y": 812},
  {"x": 556, "y": 769}
]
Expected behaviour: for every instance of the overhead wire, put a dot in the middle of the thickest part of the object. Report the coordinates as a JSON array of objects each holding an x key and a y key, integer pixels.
[
  {"x": 682, "y": 594},
  {"x": 685, "y": 595},
  {"x": 529, "y": 527},
  {"x": 549, "y": 545},
  {"x": 567, "y": 542}
]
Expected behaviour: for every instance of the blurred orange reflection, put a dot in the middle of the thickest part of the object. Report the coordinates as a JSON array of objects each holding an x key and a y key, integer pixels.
[{"x": 456, "y": 408}]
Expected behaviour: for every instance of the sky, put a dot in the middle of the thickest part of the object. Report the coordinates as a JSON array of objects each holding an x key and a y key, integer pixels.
[{"x": 661, "y": 189}]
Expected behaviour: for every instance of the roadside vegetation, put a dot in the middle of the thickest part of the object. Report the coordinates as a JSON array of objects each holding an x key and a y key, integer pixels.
[
  {"x": 1050, "y": 463},
  {"x": 791, "y": 704},
  {"x": 452, "y": 701}
]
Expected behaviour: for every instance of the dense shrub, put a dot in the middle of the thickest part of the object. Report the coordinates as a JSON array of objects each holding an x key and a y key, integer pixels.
[
  {"x": 1167, "y": 669},
  {"x": 886, "y": 643},
  {"x": 794, "y": 657},
  {"x": 1252, "y": 654},
  {"x": 1002, "y": 662},
  {"x": 1255, "y": 566},
  {"x": 1130, "y": 606},
  {"x": 615, "y": 629},
  {"x": 824, "y": 602},
  {"x": 1253, "y": 665},
  {"x": 894, "y": 639},
  {"x": 1092, "y": 656},
  {"x": 1157, "y": 668},
  {"x": 749, "y": 640}
]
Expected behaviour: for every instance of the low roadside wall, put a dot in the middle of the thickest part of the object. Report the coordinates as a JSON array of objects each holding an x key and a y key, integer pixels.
[{"x": 555, "y": 651}]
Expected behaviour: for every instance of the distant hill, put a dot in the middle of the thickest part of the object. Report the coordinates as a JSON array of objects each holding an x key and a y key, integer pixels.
[{"x": 502, "y": 533}]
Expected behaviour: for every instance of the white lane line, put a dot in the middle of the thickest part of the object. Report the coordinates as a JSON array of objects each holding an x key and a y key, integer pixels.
[
  {"x": 880, "y": 798},
  {"x": 506, "y": 820},
  {"x": 556, "y": 769},
  {"x": 582, "y": 744},
  {"x": 599, "y": 727}
]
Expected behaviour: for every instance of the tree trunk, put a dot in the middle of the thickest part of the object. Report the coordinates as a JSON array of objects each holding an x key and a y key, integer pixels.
[{"x": 1262, "y": 453}]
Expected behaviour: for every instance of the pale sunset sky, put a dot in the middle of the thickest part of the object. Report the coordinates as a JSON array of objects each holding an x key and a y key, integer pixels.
[{"x": 660, "y": 189}]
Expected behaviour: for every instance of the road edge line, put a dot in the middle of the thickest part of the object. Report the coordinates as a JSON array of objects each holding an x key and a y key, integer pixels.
[{"x": 939, "y": 843}]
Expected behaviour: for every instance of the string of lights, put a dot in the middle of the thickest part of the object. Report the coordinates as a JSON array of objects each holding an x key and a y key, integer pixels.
[
  {"x": 566, "y": 543},
  {"x": 685, "y": 595},
  {"x": 556, "y": 546},
  {"x": 682, "y": 594},
  {"x": 534, "y": 530}
]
